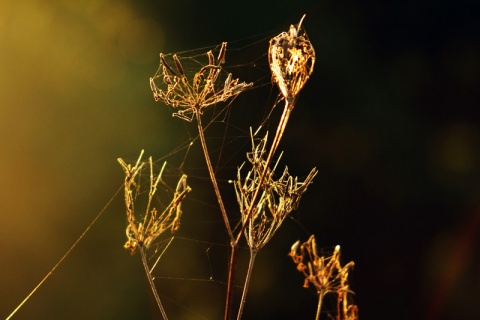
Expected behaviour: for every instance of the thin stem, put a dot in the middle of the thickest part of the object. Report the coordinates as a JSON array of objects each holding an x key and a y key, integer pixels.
[
  {"x": 212, "y": 176},
  {"x": 152, "y": 285},
  {"x": 321, "y": 294},
  {"x": 253, "y": 254},
  {"x": 281, "y": 128},
  {"x": 233, "y": 243},
  {"x": 231, "y": 271}
]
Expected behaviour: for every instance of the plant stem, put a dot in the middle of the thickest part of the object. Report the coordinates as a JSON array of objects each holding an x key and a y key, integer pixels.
[
  {"x": 280, "y": 128},
  {"x": 253, "y": 254},
  {"x": 321, "y": 294},
  {"x": 276, "y": 140},
  {"x": 233, "y": 243},
  {"x": 231, "y": 271},
  {"x": 152, "y": 285},
  {"x": 212, "y": 176}
]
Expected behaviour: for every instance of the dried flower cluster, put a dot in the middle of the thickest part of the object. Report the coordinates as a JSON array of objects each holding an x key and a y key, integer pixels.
[
  {"x": 327, "y": 275},
  {"x": 292, "y": 58},
  {"x": 277, "y": 199},
  {"x": 154, "y": 223},
  {"x": 193, "y": 97}
]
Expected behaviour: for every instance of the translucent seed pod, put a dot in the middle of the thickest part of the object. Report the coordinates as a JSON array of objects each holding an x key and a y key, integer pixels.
[{"x": 291, "y": 57}]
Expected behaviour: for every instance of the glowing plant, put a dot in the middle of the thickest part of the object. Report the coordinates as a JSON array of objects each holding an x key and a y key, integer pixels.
[
  {"x": 141, "y": 234},
  {"x": 278, "y": 198},
  {"x": 327, "y": 275}
]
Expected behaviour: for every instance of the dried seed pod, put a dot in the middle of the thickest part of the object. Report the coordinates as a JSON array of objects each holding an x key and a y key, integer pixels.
[{"x": 291, "y": 58}]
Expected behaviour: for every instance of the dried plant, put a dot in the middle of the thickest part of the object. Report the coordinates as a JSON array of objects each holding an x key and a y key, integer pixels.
[
  {"x": 154, "y": 223},
  {"x": 193, "y": 97},
  {"x": 292, "y": 58},
  {"x": 327, "y": 275},
  {"x": 265, "y": 197},
  {"x": 277, "y": 199},
  {"x": 140, "y": 235}
]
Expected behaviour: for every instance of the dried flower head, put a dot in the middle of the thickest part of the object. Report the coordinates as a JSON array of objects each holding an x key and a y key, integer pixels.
[
  {"x": 154, "y": 222},
  {"x": 326, "y": 274},
  {"x": 292, "y": 58},
  {"x": 278, "y": 197},
  {"x": 192, "y": 97}
]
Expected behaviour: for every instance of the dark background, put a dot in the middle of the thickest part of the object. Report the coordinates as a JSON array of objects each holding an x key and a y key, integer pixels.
[{"x": 389, "y": 117}]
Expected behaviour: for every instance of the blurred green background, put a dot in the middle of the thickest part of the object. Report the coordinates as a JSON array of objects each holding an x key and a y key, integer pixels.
[{"x": 390, "y": 118}]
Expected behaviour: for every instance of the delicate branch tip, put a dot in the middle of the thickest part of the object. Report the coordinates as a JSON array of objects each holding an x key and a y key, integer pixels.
[
  {"x": 222, "y": 54},
  {"x": 178, "y": 64},
  {"x": 299, "y": 25}
]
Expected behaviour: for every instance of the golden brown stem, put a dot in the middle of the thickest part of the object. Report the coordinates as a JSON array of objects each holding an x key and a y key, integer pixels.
[
  {"x": 253, "y": 254},
  {"x": 152, "y": 284},
  {"x": 212, "y": 176}
]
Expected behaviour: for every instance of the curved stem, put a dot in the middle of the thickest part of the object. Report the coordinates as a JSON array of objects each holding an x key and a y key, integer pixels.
[
  {"x": 152, "y": 285},
  {"x": 212, "y": 176},
  {"x": 253, "y": 254}
]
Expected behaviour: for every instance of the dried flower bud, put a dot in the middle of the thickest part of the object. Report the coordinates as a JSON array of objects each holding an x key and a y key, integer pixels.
[{"x": 291, "y": 59}]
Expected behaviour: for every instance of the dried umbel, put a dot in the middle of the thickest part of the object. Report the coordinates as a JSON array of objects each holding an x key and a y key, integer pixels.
[
  {"x": 192, "y": 96},
  {"x": 291, "y": 57},
  {"x": 154, "y": 222},
  {"x": 278, "y": 197},
  {"x": 327, "y": 275},
  {"x": 264, "y": 202}
]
